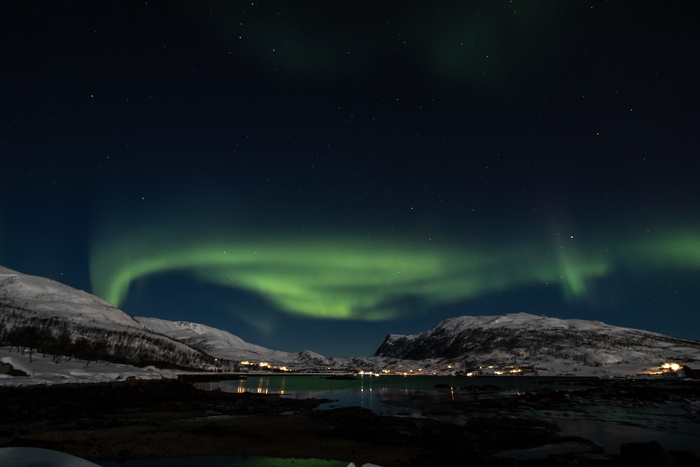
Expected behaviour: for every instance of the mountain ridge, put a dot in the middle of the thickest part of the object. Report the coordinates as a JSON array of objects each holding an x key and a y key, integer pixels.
[
  {"x": 525, "y": 340},
  {"x": 57, "y": 318},
  {"x": 54, "y": 317},
  {"x": 40, "y": 293},
  {"x": 45, "y": 315},
  {"x": 215, "y": 342}
]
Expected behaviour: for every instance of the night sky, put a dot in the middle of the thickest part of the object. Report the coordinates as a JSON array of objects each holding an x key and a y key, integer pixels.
[{"x": 316, "y": 175}]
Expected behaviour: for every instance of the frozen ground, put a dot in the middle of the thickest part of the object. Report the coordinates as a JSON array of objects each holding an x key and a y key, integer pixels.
[
  {"x": 38, "y": 457},
  {"x": 676, "y": 425},
  {"x": 48, "y": 369}
]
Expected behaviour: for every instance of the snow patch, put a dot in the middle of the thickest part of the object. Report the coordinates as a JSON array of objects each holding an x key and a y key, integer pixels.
[
  {"x": 39, "y": 457},
  {"x": 45, "y": 370}
]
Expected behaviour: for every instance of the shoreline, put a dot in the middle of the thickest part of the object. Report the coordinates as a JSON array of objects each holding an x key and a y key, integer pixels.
[{"x": 170, "y": 418}]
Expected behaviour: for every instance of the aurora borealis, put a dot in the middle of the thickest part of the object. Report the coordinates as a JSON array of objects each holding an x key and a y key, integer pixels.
[
  {"x": 317, "y": 176},
  {"x": 340, "y": 278}
]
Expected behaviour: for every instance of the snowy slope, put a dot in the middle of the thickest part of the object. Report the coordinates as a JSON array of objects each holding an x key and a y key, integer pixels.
[
  {"x": 215, "y": 342},
  {"x": 224, "y": 345},
  {"x": 53, "y": 318},
  {"x": 559, "y": 345},
  {"x": 40, "y": 457},
  {"x": 51, "y": 369},
  {"x": 45, "y": 295}
]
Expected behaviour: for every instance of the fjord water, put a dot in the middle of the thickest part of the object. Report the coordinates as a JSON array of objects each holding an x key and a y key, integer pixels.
[
  {"x": 433, "y": 397},
  {"x": 414, "y": 396}
]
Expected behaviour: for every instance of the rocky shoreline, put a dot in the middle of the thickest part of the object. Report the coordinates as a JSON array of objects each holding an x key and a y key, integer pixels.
[{"x": 154, "y": 419}]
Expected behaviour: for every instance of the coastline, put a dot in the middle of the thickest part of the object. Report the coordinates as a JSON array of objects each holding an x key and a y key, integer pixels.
[{"x": 170, "y": 418}]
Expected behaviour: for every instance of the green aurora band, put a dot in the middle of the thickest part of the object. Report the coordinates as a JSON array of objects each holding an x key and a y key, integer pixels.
[{"x": 344, "y": 277}]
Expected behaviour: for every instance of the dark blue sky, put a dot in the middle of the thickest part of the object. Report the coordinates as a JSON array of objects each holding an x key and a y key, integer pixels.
[{"x": 315, "y": 175}]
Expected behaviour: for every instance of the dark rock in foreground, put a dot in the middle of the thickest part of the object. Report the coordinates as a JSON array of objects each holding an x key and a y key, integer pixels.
[{"x": 152, "y": 419}]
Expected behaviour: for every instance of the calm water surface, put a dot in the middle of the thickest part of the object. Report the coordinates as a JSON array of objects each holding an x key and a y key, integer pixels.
[
  {"x": 431, "y": 397},
  {"x": 392, "y": 395},
  {"x": 420, "y": 396}
]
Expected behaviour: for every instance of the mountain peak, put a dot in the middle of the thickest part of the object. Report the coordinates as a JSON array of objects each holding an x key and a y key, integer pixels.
[
  {"x": 54, "y": 318},
  {"x": 530, "y": 340},
  {"x": 518, "y": 320},
  {"x": 60, "y": 300},
  {"x": 215, "y": 342}
]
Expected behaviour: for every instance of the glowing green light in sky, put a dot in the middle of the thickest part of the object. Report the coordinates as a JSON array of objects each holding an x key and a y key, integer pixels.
[{"x": 341, "y": 277}]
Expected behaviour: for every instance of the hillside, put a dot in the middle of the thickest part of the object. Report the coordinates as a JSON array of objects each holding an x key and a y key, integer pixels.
[
  {"x": 44, "y": 315},
  {"x": 51, "y": 318},
  {"x": 214, "y": 342},
  {"x": 550, "y": 344},
  {"x": 224, "y": 345}
]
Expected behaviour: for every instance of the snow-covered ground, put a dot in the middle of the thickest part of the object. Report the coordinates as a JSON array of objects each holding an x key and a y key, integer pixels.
[
  {"x": 39, "y": 457},
  {"x": 25, "y": 457},
  {"x": 50, "y": 370}
]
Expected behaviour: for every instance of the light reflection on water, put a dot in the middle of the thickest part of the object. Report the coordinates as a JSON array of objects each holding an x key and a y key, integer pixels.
[
  {"x": 296, "y": 386},
  {"x": 418, "y": 397},
  {"x": 382, "y": 394}
]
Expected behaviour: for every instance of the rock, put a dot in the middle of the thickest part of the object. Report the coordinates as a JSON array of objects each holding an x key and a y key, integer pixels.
[
  {"x": 273, "y": 399},
  {"x": 686, "y": 458},
  {"x": 641, "y": 454},
  {"x": 8, "y": 369}
]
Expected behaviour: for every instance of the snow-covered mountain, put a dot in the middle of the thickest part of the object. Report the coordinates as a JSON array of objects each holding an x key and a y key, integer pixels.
[
  {"x": 224, "y": 345},
  {"x": 35, "y": 311},
  {"x": 57, "y": 319},
  {"x": 215, "y": 342},
  {"x": 51, "y": 317},
  {"x": 549, "y": 344},
  {"x": 52, "y": 298}
]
